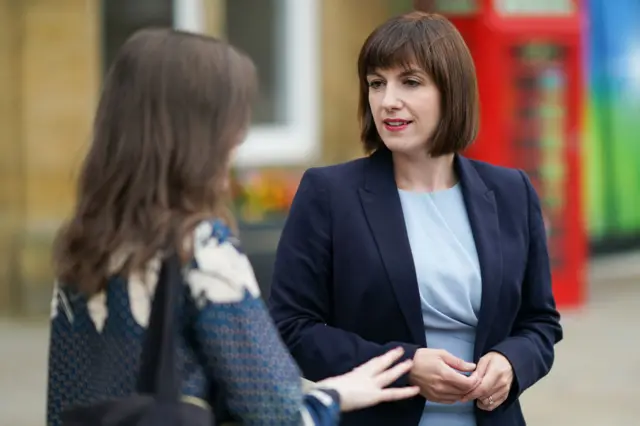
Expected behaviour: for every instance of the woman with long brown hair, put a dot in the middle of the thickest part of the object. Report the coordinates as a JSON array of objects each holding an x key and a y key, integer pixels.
[{"x": 173, "y": 108}]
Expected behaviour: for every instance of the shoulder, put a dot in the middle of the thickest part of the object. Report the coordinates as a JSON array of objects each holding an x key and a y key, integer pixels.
[
  {"x": 219, "y": 270},
  {"x": 339, "y": 175},
  {"x": 515, "y": 196},
  {"x": 499, "y": 177},
  {"x": 323, "y": 189},
  {"x": 505, "y": 181},
  {"x": 215, "y": 232}
]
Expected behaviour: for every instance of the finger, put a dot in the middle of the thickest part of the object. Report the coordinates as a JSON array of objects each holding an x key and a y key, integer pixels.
[
  {"x": 487, "y": 405},
  {"x": 459, "y": 381},
  {"x": 395, "y": 394},
  {"x": 389, "y": 376},
  {"x": 481, "y": 368},
  {"x": 479, "y": 392},
  {"x": 479, "y": 389},
  {"x": 457, "y": 363},
  {"x": 484, "y": 407},
  {"x": 489, "y": 384},
  {"x": 381, "y": 363},
  {"x": 486, "y": 387},
  {"x": 493, "y": 402},
  {"x": 468, "y": 396},
  {"x": 500, "y": 397}
]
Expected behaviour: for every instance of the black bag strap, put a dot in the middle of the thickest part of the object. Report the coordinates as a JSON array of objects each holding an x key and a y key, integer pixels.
[{"x": 159, "y": 373}]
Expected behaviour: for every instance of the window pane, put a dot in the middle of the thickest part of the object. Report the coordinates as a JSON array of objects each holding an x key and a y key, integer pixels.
[
  {"x": 121, "y": 18},
  {"x": 257, "y": 28}
]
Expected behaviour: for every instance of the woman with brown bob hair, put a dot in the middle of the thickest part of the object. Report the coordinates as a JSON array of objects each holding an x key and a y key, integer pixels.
[
  {"x": 416, "y": 245},
  {"x": 174, "y": 107}
]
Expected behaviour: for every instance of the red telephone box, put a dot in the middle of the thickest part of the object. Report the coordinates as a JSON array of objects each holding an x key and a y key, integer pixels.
[{"x": 529, "y": 66}]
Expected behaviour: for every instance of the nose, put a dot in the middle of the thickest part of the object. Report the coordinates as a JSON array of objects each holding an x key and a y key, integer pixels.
[{"x": 391, "y": 99}]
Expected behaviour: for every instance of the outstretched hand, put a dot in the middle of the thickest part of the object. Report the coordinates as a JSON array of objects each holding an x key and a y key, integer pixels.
[{"x": 366, "y": 385}]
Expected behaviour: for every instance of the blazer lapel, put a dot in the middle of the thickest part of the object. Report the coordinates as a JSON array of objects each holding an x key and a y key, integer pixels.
[
  {"x": 483, "y": 217},
  {"x": 382, "y": 208}
]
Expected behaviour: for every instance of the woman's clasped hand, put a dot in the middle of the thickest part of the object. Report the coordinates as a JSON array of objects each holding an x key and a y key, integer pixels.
[{"x": 447, "y": 379}]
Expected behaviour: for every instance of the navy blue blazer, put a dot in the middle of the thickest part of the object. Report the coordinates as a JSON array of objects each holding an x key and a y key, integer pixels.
[{"x": 345, "y": 290}]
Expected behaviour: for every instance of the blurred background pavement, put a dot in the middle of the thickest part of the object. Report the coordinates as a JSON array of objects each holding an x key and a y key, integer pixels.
[{"x": 592, "y": 382}]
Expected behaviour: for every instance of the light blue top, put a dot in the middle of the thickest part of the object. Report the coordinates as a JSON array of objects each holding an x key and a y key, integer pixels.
[{"x": 448, "y": 273}]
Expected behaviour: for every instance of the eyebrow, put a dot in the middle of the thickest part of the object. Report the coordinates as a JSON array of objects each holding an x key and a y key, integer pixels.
[
  {"x": 405, "y": 73},
  {"x": 411, "y": 71}
]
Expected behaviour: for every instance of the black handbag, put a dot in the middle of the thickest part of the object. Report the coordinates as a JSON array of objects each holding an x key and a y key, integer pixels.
[{"x": 157, "y": 400}]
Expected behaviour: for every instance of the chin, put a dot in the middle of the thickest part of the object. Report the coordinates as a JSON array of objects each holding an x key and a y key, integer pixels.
[{"x": 405, "y": 147}]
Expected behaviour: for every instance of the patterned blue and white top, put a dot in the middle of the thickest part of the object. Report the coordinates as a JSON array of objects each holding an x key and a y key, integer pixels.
[{"x": 227, "y": 339}]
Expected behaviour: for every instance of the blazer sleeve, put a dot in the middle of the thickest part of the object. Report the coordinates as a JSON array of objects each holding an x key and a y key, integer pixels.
[
  {"x": 530, "y": 348},
  {"x": 239, "y": 343},
  {"x": 301, "y": 296}
]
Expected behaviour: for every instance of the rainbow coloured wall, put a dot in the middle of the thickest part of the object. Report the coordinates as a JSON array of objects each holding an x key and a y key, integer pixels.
[{"x": 612, "y": 121}]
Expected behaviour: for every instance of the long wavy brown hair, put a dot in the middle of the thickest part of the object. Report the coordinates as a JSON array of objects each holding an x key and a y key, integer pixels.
[{"x": 173, "y": 107}]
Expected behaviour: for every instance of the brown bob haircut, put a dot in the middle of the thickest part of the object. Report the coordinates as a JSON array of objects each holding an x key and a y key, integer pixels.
[
  {"x": 432, "y": 43},
  {"x": 172, "y": 108}
]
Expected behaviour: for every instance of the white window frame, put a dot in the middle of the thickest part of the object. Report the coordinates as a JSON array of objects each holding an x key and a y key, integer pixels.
[{"x": 297, "y": 141}]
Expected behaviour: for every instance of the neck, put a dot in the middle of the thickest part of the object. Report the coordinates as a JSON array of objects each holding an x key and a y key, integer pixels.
[{"x": 424, "y": 173}]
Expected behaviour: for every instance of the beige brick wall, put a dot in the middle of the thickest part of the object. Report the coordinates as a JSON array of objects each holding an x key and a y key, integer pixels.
[
  {"x": 345, "y": 26},
  {"x": 51, "y": 52},
  {"x": 214, "y": 17},
  {"x": 60, "y": 79},
  {"x": 10, "y": 152}
]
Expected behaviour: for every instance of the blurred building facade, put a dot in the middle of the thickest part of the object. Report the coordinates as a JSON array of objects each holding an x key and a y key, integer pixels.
[
  {"x": 53, "y": 55},
  {"x": 49, "y": 74}
]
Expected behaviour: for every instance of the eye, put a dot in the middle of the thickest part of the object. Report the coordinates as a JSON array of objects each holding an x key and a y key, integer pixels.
[
  {"x": 375, "y": 84},
  {"x": 412, "y": 82}
]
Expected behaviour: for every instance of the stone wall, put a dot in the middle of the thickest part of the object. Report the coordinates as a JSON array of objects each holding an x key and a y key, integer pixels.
[{"x": 49, "y": 78}]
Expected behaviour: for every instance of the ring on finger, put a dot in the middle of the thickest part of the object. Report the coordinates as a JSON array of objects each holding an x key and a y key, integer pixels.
[{"x": 490, "y": 399}]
